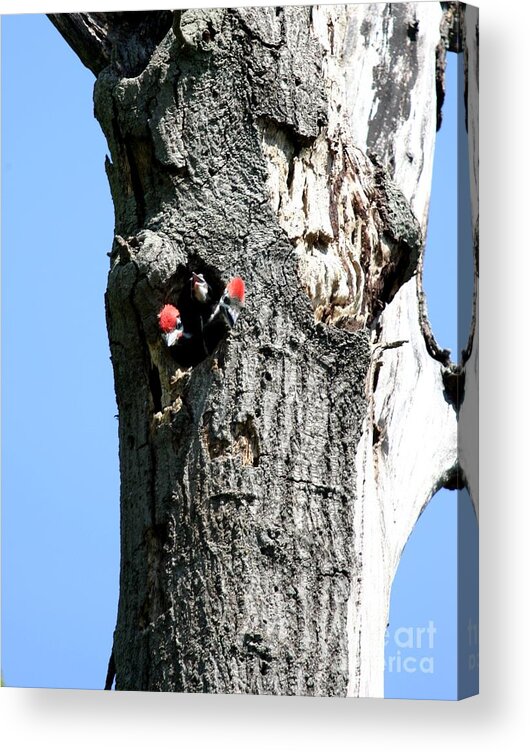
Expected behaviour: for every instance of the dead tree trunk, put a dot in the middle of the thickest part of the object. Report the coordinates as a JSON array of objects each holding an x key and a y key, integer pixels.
[{"x": 267, "y": 490}]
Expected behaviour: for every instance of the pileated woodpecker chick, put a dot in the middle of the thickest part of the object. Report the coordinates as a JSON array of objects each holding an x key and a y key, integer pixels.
[
  {"x": 200, "y": 289},
  {"x": 171, "y": 325},
  {"x": 231, "y": 302}
]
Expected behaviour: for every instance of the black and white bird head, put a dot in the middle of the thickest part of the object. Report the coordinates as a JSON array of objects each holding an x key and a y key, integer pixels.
[
  {"x": 232, "y": 301},
  {"x": 200, "y": 289}
]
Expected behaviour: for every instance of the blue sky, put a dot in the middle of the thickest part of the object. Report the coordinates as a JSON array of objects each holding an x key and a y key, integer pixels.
[
  {"x": 60, "y": 484},
  {"x": 60, "y": 542}
]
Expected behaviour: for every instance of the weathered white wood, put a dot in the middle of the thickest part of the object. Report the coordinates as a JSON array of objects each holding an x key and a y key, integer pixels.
[{"x": 398, "y": 470}]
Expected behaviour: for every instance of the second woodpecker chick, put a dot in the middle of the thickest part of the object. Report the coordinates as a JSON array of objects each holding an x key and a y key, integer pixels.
[
  {"x": 171, "y": 325},
  {"x": 200, "y": 289},
  {"x": 231, "y": 302}
]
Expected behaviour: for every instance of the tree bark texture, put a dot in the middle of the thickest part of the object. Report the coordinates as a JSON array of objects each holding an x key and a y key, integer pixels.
[{"x": 268, "y": 490}]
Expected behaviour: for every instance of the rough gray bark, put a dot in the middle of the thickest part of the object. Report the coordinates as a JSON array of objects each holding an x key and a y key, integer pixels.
[{"x": 236, "y": 148}]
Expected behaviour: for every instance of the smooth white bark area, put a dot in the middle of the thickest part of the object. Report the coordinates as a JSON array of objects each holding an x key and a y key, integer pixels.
[{"x": 399, "y": 470}]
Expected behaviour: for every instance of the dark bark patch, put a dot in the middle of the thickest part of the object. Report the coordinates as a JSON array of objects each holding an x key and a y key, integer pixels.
[
  {"x": 412, "y": 30},
  {"x": 440, "y": 83},
  {"x": 156, "y": 388},
  {"x": 286, "y": 88},
  {"x": 402, "y": 236},
  {"x": 268, "y": 540},
  {"x": 155, "y": 602},
  {"x": 125, "y": 40},
  {"x": 255, "y": 644},
  {"x": 451, "y": 26},
  {"x": 454, "y": 479},
  {"x": 453, "y": 378},
  {"x": 394, "y": 101}
]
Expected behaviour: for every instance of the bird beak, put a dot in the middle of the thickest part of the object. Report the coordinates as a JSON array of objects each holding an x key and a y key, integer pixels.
[{"x": 171, "y": 338}]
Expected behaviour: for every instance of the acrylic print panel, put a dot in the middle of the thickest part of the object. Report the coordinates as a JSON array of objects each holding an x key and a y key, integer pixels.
[{"x": 277, "y": 450}]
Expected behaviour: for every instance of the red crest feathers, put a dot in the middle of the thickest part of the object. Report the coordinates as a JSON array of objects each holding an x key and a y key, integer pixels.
[
  {"x": 236, "y": 289},
  {"x": 168, "y": 317}
]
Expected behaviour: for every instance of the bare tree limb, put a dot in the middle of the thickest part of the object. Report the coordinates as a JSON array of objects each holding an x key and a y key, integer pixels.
[{"x": 126, "y": 40}]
